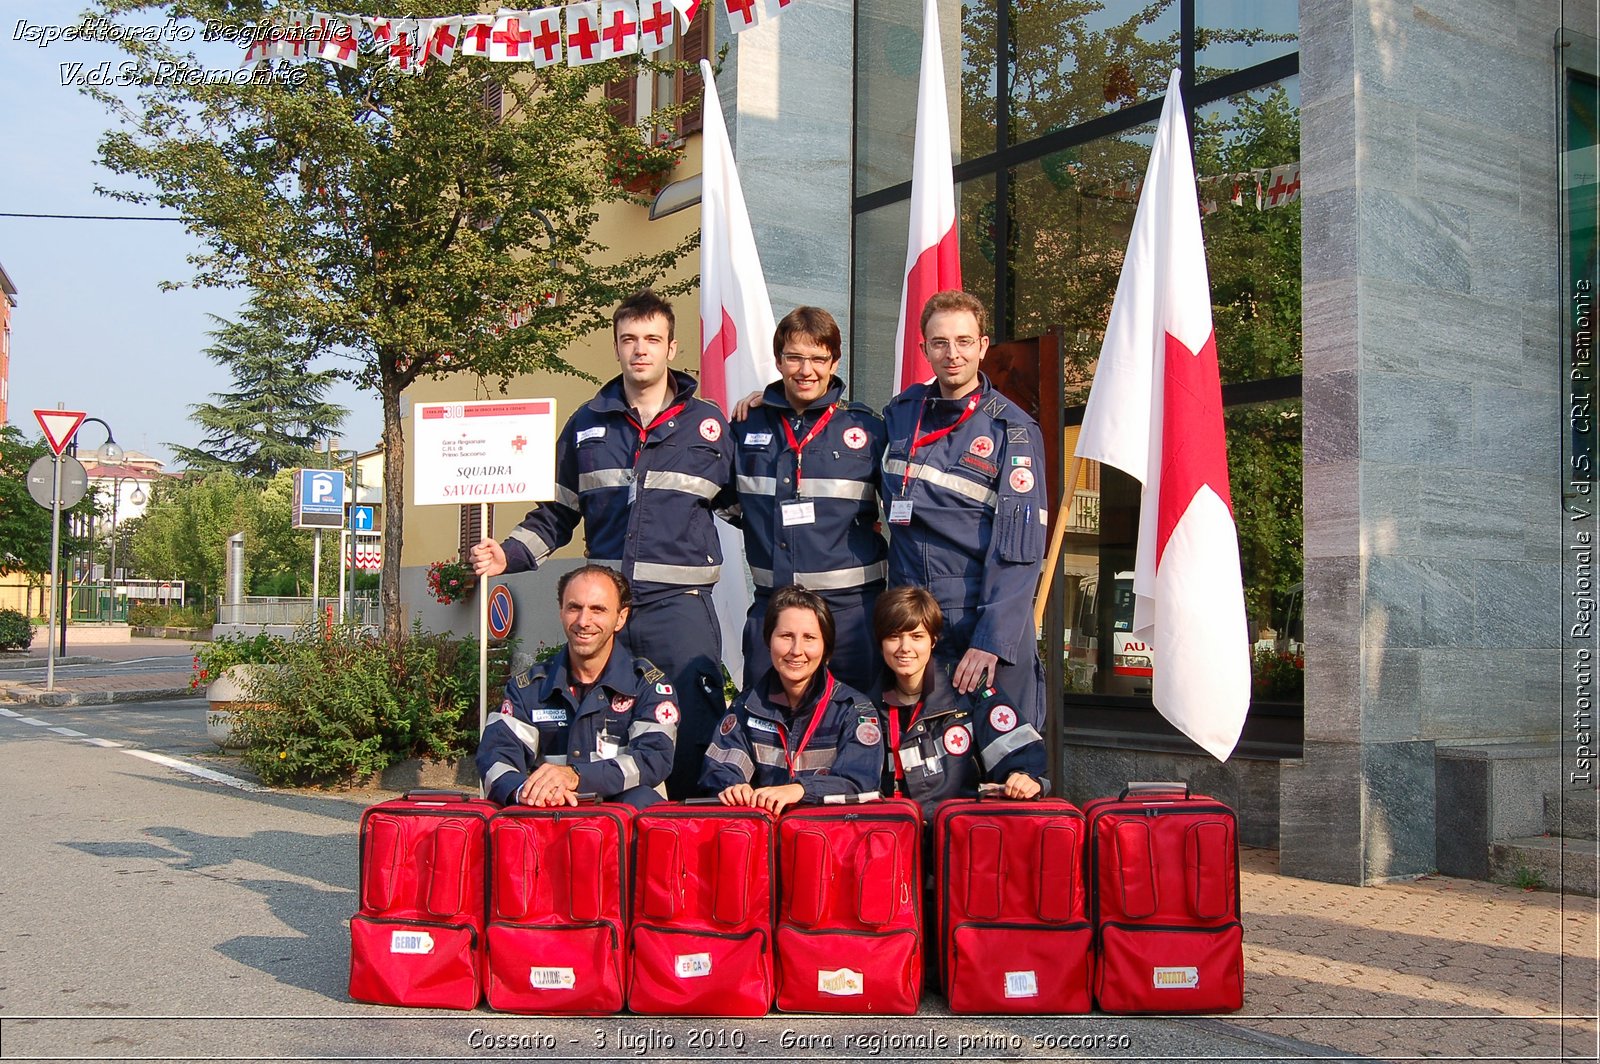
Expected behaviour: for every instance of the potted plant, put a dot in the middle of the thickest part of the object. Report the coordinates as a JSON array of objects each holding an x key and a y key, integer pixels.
[
  {"x": 450, "y": 580},
  {"x": 642, "y": 166},
  {"x": 224, "y": 668}
]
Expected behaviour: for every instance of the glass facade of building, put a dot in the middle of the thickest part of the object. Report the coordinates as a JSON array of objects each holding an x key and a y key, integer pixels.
[{"x": 1053, "y": 106}]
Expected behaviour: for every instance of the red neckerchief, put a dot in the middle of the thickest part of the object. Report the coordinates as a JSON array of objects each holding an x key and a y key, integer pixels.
[
  {"x": 919, "y": 440},
  {"x": 816, "y": 718},
  {"x": 799, "y": 445},
  {"x": 894, "y": 732},
  {"x": 644, "y": 431}
]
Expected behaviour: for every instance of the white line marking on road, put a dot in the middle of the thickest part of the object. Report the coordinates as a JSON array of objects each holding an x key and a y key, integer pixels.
[
  {"x": 9, "y": 713},
  {"x": 196, "y": 770},
  {"x": 36, "y": 722},
  {"x": 68, "y": 731},
  {"x": 103, "y": 742}
]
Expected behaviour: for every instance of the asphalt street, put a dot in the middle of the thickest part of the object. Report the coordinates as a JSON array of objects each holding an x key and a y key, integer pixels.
[{"x": 154, "y": 914}]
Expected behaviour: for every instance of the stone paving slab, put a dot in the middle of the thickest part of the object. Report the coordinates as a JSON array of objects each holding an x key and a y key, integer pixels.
[
  {"x": 1436, "y": 967},
  {"x": 102, "y": 690}
]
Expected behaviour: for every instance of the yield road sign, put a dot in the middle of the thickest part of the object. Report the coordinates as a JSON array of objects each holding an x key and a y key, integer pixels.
[
  {"x": 361, "y": 518},
  {"x": 41, "y": 481},
  {"x": 59, "y": 426},
  {"x": 500, "y": 611}
]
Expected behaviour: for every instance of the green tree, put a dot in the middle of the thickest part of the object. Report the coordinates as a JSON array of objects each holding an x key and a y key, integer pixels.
[
  {"x": 24, "y": 524},
  {"x": 277, "y": 412},
  {"x": 393, "y": 219}
]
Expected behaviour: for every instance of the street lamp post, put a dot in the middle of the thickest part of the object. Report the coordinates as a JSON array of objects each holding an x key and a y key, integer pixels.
[
  {"x": 110, "y": 452},
  {"x": 137, "y": 497}
]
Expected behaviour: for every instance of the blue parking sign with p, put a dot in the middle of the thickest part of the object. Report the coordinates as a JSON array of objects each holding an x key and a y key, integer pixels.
[{"x": 319, "y": 498}]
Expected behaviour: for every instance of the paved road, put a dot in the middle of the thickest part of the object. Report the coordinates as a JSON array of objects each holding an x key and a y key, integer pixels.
[
  {"x": 178, "y": 661},
  {"x": 154, "y": 914}
]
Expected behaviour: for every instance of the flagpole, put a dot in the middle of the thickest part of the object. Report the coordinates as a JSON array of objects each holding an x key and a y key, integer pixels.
[{"x": 1057, "y": 538}]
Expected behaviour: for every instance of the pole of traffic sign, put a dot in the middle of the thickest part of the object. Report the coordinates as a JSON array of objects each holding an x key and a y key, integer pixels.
[
  {"x": 483, "y": 635},
  {"x": 316, "y": 570},
  {"x": 55, "y": 571}
]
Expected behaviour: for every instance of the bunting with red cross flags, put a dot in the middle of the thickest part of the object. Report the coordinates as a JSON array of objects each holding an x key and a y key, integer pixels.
[
  {"x": 583, "y": 34},
  {"x": 687, "y": 10},
  {"x": 655, "y": 26},
  {"x": 1155, "y": 412},
  {"x": 509, "y": 42},
  {"x": 439, "y": 37},
  {"x": 336, "y": 40},
  {"x": 475, "y": 32},
  {"x": 546, "y": 42},
  {"x": 619, "y": 28},
  {"x": 743, "y": 14}
]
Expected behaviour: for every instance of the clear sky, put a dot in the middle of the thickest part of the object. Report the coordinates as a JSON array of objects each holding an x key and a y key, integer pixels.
[{"x": 92, "y": 329}]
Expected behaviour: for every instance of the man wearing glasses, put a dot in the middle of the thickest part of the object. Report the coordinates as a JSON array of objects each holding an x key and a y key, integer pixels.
[
  {"x": 806, "y": 470},
  {"x": 963, "y": 490}
]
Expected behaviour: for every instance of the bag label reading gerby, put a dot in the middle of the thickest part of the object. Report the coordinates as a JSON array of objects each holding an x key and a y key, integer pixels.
[
  {"x": 410, "y": 942},
  {"x": 693, "y": 965},
  {"x": 1175, "y": 978},
  {"x": 1022, "y": 985},
  {"x": 841, "y": 983}
]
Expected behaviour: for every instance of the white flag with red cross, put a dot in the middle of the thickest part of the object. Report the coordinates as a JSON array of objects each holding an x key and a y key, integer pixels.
[
  {"x": 655, "y": 26},
  {"x": 475, "y": 33},
  {"x": 619, "y": 28},
  {"x": 440, "y": 39},
  {"x": 771, "y": 9},
  {"x": 1155, "y": 412},
  {"x": 687, "y": 10},
  {"x": 337, "y": 41},
  {"x": 736, "y": 327},
  {"x": 545, "y": 24},
  {"x": 289, "y": 38},
  {"x": 403, "y": 47},
  {"x": 743, "y": 14},
  {"x": 583, "y": 34},
  {"x": 511, "y": 39},
  {"x": 933, "y": 245}
]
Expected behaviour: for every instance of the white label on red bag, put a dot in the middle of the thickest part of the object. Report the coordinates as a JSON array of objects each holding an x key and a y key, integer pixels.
[
  {"x": 693, "y": 965},
  {"x": 1175, "y": 978},
  {"x": 841, "y": 983},
  {"x": 1022, "y": 984},
  {"x": 410, "y": 942},
  {"x": 552, "y": 978}
]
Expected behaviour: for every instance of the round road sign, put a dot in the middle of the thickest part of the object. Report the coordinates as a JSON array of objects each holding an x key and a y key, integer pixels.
[
  {"x": 500, "y": 611},
  {"x": 42, "y": 481}
]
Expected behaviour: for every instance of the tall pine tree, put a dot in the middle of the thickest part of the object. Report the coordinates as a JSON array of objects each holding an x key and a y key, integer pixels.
[{"x": 276, "y": 414}]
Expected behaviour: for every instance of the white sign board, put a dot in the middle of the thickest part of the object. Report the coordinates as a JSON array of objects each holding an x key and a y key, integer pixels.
[{"x": 489, "y": 451}]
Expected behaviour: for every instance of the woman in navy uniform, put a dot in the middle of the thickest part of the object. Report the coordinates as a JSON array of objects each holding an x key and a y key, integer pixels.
[
  {"x": 943, "y": 744},
  {"x": 797, "y": 734}
]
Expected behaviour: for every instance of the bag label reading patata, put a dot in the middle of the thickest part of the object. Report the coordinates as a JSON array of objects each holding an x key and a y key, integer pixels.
[
  {"x": 841, "y": 983},
  {"x": 1175, "y": 978},
  {"x": 693, "y": 965},
  {"x": 552, "y": 978},
  {"x": 410, "y": 942},
  {"x": 1022, "y": 984}
]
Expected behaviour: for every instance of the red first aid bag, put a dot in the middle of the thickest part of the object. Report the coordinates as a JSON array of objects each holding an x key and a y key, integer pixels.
[
  {"x": 558, "y": 897},
  {"x": 1165, "y": 876},
  {"x": 1014, "y": 931},
  {"x": 700, "y": 943},
  {"x": 850, "y": 915},
  {"x": 418, "y": 937}
]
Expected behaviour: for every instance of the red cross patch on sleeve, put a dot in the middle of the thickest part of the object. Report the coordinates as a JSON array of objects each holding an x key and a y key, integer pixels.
[
  {"x": 711, "y": 430},
  {"x": 1002, "y": 718},
  {"x": 667, "y": 713}
]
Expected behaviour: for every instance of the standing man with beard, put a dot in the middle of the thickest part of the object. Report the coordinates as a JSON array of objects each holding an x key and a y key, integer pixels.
[
  {"x": 962, "y": 487},
  {"x": 645, "y": 464}
]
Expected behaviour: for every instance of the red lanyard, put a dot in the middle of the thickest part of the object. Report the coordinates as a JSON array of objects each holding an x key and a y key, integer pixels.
[
  {"x": 894, "y": 734},
  {"x": 919, "y": 440},
  {"x": 644, "y": 433},
  {"x": 800, "y": 445},
  {"x": 816, "y": 718}
]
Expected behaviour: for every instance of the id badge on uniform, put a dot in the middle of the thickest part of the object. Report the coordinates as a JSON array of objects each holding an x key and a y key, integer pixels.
[
  {"x": 799, "y": 513},
  {"x": 900, "y": 511},
  {"x": 608, "y": 750}
]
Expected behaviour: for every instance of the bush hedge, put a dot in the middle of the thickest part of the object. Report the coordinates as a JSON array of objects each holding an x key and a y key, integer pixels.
[{"x": 16, "y": 631}]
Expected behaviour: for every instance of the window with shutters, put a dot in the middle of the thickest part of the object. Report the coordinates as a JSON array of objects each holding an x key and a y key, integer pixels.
[
  {"x": 640, "y": 93},
  {"x": 494, "y": 99},
  {"x": 472, "y": 528}
]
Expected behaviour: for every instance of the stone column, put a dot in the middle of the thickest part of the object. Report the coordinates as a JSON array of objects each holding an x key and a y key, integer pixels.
[{"x": 1432, "y": 515}]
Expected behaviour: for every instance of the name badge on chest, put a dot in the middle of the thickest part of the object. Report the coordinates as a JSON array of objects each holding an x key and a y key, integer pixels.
[
  {"x": 799, "y": 513},
  {"x": 607, "y": 749},
  {"x": 900, "y": 512}
]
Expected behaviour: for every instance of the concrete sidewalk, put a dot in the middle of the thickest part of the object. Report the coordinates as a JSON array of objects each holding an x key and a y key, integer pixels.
[{"x": 165, "y": 680}]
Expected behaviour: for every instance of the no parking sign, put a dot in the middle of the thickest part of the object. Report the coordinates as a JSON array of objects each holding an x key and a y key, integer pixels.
[{"x": 500, "y": 611}]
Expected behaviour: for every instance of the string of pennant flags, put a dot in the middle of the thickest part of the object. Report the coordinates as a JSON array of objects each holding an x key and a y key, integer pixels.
[{"x": 577, "y": 34}]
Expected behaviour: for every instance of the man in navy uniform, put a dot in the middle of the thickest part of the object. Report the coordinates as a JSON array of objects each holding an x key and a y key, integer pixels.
[
  {"x": 962, "y": 488},
  {"x": 807, "y": 472},
  {"x": 645, "y": 464},
  {"x": 592, "y": 720}
]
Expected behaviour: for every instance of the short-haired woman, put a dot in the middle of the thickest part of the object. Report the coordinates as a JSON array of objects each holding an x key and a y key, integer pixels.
[
  {"x": 943, "y": 744},
  {"x": 797, "y": 734}
]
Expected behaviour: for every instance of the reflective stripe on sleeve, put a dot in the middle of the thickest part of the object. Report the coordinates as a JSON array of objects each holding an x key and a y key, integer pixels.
[
  {"x": 733, "y": 758},
  {"x": 666, "y": 480},
  {"x": 536, "y": 545},
  {"x": 687, "y": 575},
  {"x": 814, "y": 760},
  {"x": 960, "y": 485},
  {"x": 645, "y": 727},
  {"x": 757, "y": 485},
  {"x": 831, "y": 580},
  {"x": 496, "y": 770},
  {"x": 630, "y": 770},
  {"x": 526, "y": 733},
  {"x": 1009, "y": 743}
]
